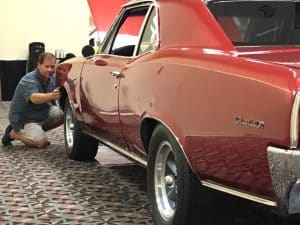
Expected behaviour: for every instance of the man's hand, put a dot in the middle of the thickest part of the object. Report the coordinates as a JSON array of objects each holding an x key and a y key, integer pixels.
[
  {"x": 40, "y": 98},
  {"x": 55, "y": 94}
]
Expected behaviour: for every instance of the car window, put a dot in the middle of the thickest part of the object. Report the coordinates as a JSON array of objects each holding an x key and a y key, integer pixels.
[
  {"x": 127, "y": 36},
  {"x": 149, "y": 40},
  {"x": 259, "y": 22}
]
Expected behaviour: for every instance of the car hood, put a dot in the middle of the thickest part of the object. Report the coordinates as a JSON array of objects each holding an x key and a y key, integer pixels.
[
  {"x": 285, "y": 55},
  {"x": 104, "y": 12}
]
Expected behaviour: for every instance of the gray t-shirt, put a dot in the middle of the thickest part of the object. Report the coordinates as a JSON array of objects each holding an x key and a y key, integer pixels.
[{"x": 22, "y": 111}]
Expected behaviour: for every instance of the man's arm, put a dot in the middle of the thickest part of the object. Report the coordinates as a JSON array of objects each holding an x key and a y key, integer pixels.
[{"x": 40, "y": 98}]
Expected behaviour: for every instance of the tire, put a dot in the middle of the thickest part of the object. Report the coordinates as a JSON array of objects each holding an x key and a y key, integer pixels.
[
  {"x": 176, "y": 197},
  {"x": 79, "y": 146}
]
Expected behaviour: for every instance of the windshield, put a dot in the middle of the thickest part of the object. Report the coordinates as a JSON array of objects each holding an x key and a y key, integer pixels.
[{"x": 259, "y": 22}]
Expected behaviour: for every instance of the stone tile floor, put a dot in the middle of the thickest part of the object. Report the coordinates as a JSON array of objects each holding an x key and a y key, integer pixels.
[{"x": 43, "y": 186}]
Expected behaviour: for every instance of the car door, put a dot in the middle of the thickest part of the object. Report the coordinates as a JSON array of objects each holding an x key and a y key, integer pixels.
[
  {"x": 102, "y": 74},
  {"x": 132, "y": 90}
]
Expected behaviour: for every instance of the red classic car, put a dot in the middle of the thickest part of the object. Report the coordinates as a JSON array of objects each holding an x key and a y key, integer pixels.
[{"x": 204, "y": 94}]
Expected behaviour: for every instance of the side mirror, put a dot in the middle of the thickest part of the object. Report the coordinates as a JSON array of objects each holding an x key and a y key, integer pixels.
[{"x": 87, "y": 51}]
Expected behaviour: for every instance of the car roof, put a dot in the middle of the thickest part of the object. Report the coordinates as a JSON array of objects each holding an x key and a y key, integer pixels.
[
  {"x": 132, "y": 2},
  {"x": 190, "y": 12},
  {"x": 251, "y": 1}
]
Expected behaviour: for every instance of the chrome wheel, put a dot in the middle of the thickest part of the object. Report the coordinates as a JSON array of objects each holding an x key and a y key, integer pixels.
[
  {"x": 165, "y": 181},
  {"x": 176, "y": 198},
  {"x": 69, "y": 128},
  {"x": 78, "y": 146}
]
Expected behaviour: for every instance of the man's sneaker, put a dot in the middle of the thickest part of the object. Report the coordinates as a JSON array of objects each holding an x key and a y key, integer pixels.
[{"x": 6, "y": 139}]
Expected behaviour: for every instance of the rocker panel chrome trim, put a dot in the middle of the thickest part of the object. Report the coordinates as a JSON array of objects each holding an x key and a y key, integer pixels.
[
  {"x": 118, "y": 149},
  {"x": 124, "y": 152},
  {"x": 214, "y": 185}
]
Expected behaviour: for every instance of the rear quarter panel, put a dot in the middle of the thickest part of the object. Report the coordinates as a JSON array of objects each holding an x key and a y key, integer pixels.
[{"x": 198, "y": 93}]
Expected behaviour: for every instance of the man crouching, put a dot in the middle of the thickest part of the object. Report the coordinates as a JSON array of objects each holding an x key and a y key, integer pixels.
[{"x": 32, "y": 111}]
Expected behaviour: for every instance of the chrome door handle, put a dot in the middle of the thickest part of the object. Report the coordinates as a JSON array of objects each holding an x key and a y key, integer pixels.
[{"x": 116, "y": 74}]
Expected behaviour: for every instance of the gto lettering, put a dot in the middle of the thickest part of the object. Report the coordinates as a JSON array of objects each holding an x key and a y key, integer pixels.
[{"x": 249, "y": 122}]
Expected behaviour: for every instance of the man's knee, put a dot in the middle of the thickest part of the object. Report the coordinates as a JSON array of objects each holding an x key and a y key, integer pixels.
[
  {"x": 60, "y": 118},
  {"x": 55, "y": 118}
]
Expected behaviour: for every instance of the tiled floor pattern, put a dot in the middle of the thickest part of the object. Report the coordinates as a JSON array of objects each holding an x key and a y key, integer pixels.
[{"x": 43, "y": 186}]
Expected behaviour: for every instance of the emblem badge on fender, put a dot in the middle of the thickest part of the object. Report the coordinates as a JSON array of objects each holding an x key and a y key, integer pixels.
[{"x": 249, "y": 122}]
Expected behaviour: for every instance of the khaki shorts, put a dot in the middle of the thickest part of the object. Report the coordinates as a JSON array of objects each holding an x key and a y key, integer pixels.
[{"x": 36, "y": 131}]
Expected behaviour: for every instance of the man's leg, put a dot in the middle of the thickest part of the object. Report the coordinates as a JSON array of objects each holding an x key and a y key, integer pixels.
[
  {"x": 32, "y": 135},
  {"x": 55, "y": 118}
]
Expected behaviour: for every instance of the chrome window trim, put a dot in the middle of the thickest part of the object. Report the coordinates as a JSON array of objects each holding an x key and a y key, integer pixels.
[
  {"x": 294, "y": 126},
  {"x": 153, "y": 7},
  {"x": 142, "y": 29},
  {"x": 137, "y": 2},
  {"x": 112, "y": 32}
]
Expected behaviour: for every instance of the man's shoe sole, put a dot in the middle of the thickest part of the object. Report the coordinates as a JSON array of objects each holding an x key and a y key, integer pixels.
[{"x": 6, "y": 139}]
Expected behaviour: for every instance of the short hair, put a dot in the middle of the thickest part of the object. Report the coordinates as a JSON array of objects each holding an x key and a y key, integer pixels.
[{"x": 45, "y": 55}]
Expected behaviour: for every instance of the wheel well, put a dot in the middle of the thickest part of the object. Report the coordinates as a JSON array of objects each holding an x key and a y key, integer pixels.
[
  {"x": 63, "y": 97},
  {"x": 147, "y": 128}
]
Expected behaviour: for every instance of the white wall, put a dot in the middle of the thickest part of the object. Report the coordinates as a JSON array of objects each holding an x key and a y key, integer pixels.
[{"x": 60, "y": 24}]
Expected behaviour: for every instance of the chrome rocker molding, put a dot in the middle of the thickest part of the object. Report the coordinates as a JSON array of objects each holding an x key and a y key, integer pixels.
[
  {"x": 125, "y": 153},
  {"x": 228, "y": 190},
  {"x": 121, "y": 151}
]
